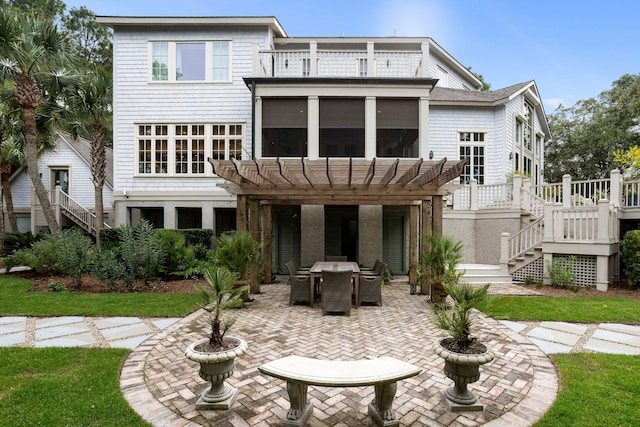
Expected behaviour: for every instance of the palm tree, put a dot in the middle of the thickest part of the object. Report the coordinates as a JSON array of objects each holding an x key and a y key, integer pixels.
[
  {"x": 89, "y": 109},
  {"x": 31, "y": 50}
]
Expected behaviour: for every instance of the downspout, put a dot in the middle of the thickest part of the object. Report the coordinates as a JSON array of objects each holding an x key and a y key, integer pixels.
[{"x": 253, "y": 119}]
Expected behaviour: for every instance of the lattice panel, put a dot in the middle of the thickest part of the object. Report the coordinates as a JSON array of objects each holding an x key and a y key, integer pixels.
[
  {"x": 534, "y": 269},
  {"x": 583, "y": 266}
]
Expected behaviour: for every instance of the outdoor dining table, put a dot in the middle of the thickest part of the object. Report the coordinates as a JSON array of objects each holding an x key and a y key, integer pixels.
[{"x": 316, "y": 272}]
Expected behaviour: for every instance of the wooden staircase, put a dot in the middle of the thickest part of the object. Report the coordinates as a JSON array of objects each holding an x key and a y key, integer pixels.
[{"x": 80, "y": 215}]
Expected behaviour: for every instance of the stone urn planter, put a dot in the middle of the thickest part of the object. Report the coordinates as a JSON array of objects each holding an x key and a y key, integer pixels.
[
  {"x": 462, "y": 369},
  {"x": 216, "y": 367}
]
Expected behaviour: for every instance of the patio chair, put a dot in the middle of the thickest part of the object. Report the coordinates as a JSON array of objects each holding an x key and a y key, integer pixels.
[
  {"x": 335, "y": 258},
  {"x": 372, "y": 270},
  {"x": 299, "y": 285},
  {"x": 336, "y": 291},
  {"x": 370, "y": 289}
]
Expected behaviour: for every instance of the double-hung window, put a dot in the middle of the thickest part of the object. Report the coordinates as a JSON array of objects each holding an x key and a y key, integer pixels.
[
  {"x": 190, "y": 149},
  {"x": 227, "y": 142},
  {"x": 191, "y": 61},
  {"x": 472, "y": 148},
  {"x": 153, "y": 146}
]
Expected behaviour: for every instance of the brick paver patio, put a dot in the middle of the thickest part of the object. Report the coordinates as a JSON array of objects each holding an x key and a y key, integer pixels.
[{"x": 163, "y": 386}]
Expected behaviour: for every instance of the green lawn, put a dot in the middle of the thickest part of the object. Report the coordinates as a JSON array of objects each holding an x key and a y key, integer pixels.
[
  {"x": 63, "y": 387},
  {"x": 569, "y": 309},
  {"x": 15, "y": 299},
  {"x": 595, "y": 390}
]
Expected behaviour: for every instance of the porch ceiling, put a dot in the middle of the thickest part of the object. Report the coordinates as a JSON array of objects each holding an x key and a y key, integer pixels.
[{"x": 381, "y": 181}]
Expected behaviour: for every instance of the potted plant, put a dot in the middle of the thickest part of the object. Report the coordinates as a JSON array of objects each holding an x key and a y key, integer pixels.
[
  {"x": 462, "y": 352},
  {"x": 441, "y": 257},
  {"x": 217, "y": 353},
  {"x": 237, "y": 251}
]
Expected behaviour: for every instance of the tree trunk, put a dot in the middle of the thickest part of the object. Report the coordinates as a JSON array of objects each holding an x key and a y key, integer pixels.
[
  {"x": 98, "y": 169},
  {"x": 8, "y": 198},
  {"x": 31, "y": 150}
]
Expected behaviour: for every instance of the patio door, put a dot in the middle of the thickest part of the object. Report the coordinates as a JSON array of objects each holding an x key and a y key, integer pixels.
[
  {"x": 341, "y": 231},
  {"x": 393, "y": 242},
  {"x": 288, "y": 234}
]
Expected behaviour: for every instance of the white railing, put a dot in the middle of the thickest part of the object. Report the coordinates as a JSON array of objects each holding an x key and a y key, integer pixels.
[
  {"x": 83, "y": 215},
  {"x": 337, "y": 63},
  {"x": 578, "y": 223},
  {"x": 495, "y": 196},
  {"x": 549, "y": 193},
  {"x": 588, "y": 193},
  {"x": 631, "y": 194},
  {"x": 526, "y": 239}
]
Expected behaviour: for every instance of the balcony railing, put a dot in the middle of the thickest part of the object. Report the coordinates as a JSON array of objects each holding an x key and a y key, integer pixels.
[{"x": 338, "y": 63}]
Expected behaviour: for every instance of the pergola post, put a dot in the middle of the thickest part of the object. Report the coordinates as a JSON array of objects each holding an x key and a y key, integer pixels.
[
  {"x": 254, "y": 227},
  {"x": 426, "y": 229},
  {"x": 437, "y": 215},
  {"x": 267, "y": 240},
  {"x": 241, "y": 213},
  {"x": 414, "y": 242}
]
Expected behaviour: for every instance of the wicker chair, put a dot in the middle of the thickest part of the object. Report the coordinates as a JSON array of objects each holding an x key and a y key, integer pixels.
[
  {"x": 336, "y": 291},
  {"x": 373, "y": 270},
  {"x": 299, "y": 285},
  {"x": 370, "y": 289},
  {"x": 335, "y": 258}
]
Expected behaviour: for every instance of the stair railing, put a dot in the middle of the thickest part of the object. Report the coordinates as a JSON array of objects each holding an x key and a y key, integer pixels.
[{"x": 82, "y": 216}]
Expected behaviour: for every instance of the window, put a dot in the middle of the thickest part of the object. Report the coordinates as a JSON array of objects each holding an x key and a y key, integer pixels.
[
  {"x": 160, "y": 61},
  {"x": 362, "y": 67},
  {"x": 190, "y": 149},
  {"x": 182, "y": 149},
  {"x": 342, "y": 130},
  {"x": 190, "y": 59},
  {"x": 528, "y": 126},
  {"x": 306, "y": 67},
  {"x": 187, "y": 61},
  {"x": 227, "y": 142},
  {"x": 472, "y": 148},
  {"x": 397, "y": 127},
  {"x": 284, "y": 127},
  {"x": 153, "y": 149}
]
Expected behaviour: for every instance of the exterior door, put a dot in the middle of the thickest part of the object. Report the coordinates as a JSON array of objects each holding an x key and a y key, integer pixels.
[
  {"x": 393, "y": 242},
  {"x": 60, "y": 177}
]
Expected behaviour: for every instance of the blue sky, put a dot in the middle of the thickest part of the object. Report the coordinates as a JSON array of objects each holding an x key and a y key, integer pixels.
[{"x": 573, "y": 49}]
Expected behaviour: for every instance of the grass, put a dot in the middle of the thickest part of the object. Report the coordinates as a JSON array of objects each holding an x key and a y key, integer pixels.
[
  {"x": 595, "y": 390},
  {"x": 63, "y": 387},
  {"x": 569, "y": 309},
  {"x": 15, "y": 299}
]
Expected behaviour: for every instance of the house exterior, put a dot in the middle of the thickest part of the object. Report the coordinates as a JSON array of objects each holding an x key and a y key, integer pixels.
[
  {"x": 66, "y": 173},
  {"x": 189, "y": 89}
]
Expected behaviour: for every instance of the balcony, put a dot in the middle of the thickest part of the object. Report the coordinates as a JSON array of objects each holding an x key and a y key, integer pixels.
[{"x": 334, "y": 63}]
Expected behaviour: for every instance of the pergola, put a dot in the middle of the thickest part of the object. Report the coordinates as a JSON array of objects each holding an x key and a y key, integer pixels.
[{"x": 260, "y": 184}]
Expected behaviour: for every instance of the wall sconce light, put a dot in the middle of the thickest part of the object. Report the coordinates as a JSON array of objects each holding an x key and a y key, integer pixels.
[
  {"x": 431, "y": 155},
  {"x": 286, "y": 63},
  {"x": 387, "y": 63},
  {"x": 511, "y": 155}
]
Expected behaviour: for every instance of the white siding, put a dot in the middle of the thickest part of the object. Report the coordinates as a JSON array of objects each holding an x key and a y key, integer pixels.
[
  {"x": 81, "y": 187},
  {"x": 138, "y": 101},
  {"x": 446, "y": 122}
]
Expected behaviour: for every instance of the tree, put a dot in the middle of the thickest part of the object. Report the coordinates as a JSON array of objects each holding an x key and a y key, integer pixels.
[
  {"x": 90, "y": 41},
  {"x": 586, "y": 135},
  {"x": 486, "y": 87},
  {"x": 89, "y": 108},
  {"x": 32, "y": 53},
  {"x": 46, "y": 8}
]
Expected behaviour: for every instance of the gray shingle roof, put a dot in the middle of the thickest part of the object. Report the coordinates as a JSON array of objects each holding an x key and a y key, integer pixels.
[
  {"x": 442, "y": 94},
  {"x": 83, "y": 148}
]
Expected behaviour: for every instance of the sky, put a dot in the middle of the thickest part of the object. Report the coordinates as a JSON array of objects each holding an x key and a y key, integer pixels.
[{"x": 573, "y": 49}]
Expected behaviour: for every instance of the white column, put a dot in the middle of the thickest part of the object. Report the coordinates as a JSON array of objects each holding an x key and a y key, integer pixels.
[
  {"x": 313, "y": 59},
  {"x": 526, "y": 194},
  {"x": 615, "y": 192},
  {"x": 473, "y": 195},
  {"x": 313, "y": 128},
  {"x": 566, "y": 191},
  {"x": 370, "y": 126},
  {"x": 257, "y": 128},
  {"x": 517, "y": 191},
  {"x": 603, "y": 221},
  {"x": 371, "y": 71},
  {"x": 504, "y": 252},
  {"x": 548, "y": 222},
  {"x": 423, "y": 129},
  {"x": 170, "y": 217},
  {"x": 602, "y": 272},
  {"x": 424, "y": 71}
]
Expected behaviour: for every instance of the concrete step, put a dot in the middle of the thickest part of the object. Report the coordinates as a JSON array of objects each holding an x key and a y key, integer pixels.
[{"x": 484, "y": 273}]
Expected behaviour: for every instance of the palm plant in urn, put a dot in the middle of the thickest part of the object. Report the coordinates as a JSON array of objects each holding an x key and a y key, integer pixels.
[
  {"x": 217, "y": 353},
  {"x": 462, "y": 352}
]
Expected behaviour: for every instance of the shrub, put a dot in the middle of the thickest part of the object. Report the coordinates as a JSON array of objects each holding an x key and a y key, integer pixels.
[
  {"x": 42, "y": 257},
  {"x": 198, "y": 236},
  {"x": 74, "y": 258},
  {"x": 141, "y": 253},
  {"x": 179, "y": 257},
  {"x": 14, "y": 242},
  {"x": 108, "y": 267},
  {"x": 561, "y": 273},
  {"x": 630, "y": 246}
]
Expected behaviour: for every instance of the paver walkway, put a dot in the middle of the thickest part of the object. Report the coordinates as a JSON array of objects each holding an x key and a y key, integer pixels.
[{"x": 162, "y": 385}]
